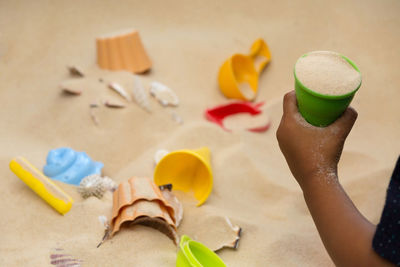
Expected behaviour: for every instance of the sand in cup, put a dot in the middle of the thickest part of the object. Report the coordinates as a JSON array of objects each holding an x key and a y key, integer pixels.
[{"x": 325, "y": 84}]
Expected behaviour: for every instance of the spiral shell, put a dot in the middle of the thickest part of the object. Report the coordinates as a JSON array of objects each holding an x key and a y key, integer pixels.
[{"x": 95, "y": 185}]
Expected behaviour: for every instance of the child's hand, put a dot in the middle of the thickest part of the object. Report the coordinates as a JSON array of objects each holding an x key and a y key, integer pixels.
[{"x": 312, "y": 152}]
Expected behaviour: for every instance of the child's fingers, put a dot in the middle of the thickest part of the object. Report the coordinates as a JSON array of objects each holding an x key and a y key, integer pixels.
[
  {"x": 346, "y": 121},
  {"x": 290, "y": 103}
]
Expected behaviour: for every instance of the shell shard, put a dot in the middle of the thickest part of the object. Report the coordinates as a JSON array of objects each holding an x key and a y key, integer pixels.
[
  {"x": 72, "y": 87},
  {"x": 75, "y": 71},
  {"x": 120, "y": 90},
  {"x": 237, "y": 231},
  {"x": 174, "y": 202},
  {"x": 59, "y": 258},
  {"x": 175, "y": 117},
  {"x": 93, "y": 116},
  {"x": 140, "y": 201},
  {"x": 163, "y": 94},
  {"x": 114, "y": 104},
  {"x": 140, "y": 95}
]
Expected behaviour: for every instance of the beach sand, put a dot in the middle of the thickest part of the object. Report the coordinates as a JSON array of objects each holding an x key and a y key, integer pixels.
[{"x": 187, "y": 43}]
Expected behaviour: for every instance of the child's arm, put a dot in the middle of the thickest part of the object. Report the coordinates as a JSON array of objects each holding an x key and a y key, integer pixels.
[{"x": 312, "y": 154}]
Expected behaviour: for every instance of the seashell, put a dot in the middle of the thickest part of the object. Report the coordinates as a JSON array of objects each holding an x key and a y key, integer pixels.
[
  {"x": 139, "y": 198},
  {"x": 95, "y": 185},
  {"x": 59, "y": 258},
  {"x": 120, "y": 90},
  {"x": 178, "y": 119},
  {"x": 114, "y": 104},
  {"x": 69, "y": 166},
  {"x": 140, "y": 95},
  {"x": 75, "y": 71},
  {"x": 174, "y": 202},
  {"x": 93, "y": 116},
  {"x": 216, "y": 232},
  {"x": 72, "y": 87},
  {"x": 159, "y": 155},
  {"x": 122, "y": 51},
  {"x": 163, "y": 94},
  {"x": 237, "y": 231}
]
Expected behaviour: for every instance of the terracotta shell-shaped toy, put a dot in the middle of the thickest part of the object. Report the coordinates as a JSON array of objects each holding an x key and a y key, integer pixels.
[
  {"x": 122, "y": 51},
  {"x": 140, "y": 201}
]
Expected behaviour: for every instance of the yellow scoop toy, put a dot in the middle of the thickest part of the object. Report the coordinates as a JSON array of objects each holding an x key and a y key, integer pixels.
[
  {"x": 238, "y": 76},
  {"x": 187, "y": 170}
]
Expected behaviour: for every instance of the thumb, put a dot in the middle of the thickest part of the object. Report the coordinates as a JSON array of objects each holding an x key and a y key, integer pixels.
[{"x": 345, "y": 122}]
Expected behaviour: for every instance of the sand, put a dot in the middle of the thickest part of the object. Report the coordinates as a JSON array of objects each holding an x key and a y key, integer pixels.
[
  {"x": 327, "y": 73},
  {"x": 187, "y": 43}
]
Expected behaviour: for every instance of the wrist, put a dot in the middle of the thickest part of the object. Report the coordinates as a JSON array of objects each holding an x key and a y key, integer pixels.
[{"x": 318, "y": 180}]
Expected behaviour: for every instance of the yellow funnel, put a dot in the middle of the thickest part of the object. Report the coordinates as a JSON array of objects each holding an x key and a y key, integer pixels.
[{"x": 187, "y": 170}]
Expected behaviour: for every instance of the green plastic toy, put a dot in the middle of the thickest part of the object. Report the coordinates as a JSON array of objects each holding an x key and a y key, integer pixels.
[
  {"x": 318, "y": 109},
  {"x": 195, "y": 254}
]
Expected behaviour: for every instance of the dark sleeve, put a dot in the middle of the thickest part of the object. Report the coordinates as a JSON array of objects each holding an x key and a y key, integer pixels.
[{"x": 386, "y": 240}]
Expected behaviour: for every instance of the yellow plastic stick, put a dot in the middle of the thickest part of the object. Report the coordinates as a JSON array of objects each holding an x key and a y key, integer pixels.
[{"x": 42, "y": 185}]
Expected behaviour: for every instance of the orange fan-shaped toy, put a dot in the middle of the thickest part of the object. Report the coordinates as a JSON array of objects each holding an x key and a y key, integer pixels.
[{"x": 122, "y": 51}]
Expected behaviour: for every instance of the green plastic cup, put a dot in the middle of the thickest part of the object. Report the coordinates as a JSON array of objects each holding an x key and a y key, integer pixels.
[
  {"x": 195, "y": 254},
  {"x": 318, "y": 109}
]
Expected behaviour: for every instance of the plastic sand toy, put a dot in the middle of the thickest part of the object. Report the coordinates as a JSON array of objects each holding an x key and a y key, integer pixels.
[
  {"x": 140, "y": 201},
  {"x": 69, "y": 166},
  {"x": 122, "y": 51},
  {"x": 187, "y": 170},
  {"x": 238, "y": 76},
  {"x": 323, "y": 109},
  {"x": 41, "y": 185},
  {"x": 219, "y": 113},
  {"x": 195, "y": 254}
]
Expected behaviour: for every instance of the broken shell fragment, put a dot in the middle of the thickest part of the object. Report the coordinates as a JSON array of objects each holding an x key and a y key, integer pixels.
[
  {"x": 75, "y": 71},
  {"x": 122, "y": 51},
  {"x": 163, "y": 94},
  {"x": 73, "y": 87},
  {"x": 216, "y": 232},
  {"x": 120, "y": 90},
  {"x": 140, "y": 95},
  {"x": 114, "y": 104},
  {"x": 174, "y": 202}
]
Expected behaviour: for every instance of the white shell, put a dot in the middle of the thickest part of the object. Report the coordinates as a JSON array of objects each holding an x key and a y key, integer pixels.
[
  {"x": 120, "y": 90},
  {"x": 176, "y": 204},
  {"x": 163, "y": 94},
  {"x": 95, "y": 185},
  {"x": 71, "y": 87},
  {"x": 178, "y": 119},
  {"x": 140, "y": 95}
]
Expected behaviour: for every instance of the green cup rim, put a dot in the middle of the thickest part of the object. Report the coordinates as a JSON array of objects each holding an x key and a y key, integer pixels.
[
  {"x": 186, "y": 243},
  {"x": 333, "y": 97}
]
